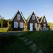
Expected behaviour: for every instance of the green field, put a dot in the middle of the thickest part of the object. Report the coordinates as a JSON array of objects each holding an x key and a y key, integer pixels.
[{"x": 13, "y": 42}]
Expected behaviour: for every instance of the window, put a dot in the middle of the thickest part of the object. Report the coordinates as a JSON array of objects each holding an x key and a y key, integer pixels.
[
  {"x": 31, "y": 26},
  {"x": 21, "y": 25},
  {"x": 15, "y": 24},
  {"x": 33, "y": 17},
  {"x": 44, "y": 25},
  {"x": 44, "y": 29},
  {"x": 18, "y": 16}
]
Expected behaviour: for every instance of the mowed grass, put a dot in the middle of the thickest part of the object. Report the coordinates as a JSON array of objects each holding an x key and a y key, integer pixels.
[
  {"x": 3, "y": 29},
  {"x": 51, "y": 25},
  {"x": 12, "y": 43}
]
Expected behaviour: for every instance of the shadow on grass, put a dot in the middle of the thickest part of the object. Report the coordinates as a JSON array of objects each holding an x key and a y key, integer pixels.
[{"x": 11, "y": 44}]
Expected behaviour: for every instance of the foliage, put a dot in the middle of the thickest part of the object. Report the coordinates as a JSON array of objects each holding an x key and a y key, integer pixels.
[{"x": 51, "y": 25}]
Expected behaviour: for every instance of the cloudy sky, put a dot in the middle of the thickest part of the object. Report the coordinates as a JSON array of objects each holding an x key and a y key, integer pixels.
[{"x": 8, "y": 8}]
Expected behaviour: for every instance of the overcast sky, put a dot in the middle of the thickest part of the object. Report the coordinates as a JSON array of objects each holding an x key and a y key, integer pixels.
[{"x": 8, "y": 8}]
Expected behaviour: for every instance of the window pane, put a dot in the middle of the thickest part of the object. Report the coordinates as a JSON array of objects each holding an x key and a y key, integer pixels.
[
  {"x": 21, "y": 25},
  {"x": 18, "y": 16},
  {"x": 44, "y": 25},
  {"x": 15, "y": 24},
  {"x": 33, "y": 17}
]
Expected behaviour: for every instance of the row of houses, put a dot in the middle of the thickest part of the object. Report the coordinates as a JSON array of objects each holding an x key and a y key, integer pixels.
[{"x": 33, "y": 23}]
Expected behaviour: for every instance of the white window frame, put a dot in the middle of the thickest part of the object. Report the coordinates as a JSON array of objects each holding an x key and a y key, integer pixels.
[
  {"x": 31, "y": 26},
  {"x": 15, "y": 24},
  {"x": 33, "y": 17},
  {"x": 18, "y": 16},
  {"x": 21, "y": 24}
]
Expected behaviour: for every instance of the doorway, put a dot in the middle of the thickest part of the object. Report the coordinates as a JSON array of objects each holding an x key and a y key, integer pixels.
[{"x": 31, "y": 26}]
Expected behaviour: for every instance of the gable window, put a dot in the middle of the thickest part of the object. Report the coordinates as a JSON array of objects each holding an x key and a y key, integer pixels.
[
  {"x": 21, "y": 24},
  {"x": 33, "y": 17},
  {"x": 18, "y": 16},
  {"x": 15, "y": 24}
]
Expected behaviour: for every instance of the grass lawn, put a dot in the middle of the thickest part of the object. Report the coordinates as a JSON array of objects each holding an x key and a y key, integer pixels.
[
  {"x": 3, "y": 29},
  {"x": 10, "y": 42}
]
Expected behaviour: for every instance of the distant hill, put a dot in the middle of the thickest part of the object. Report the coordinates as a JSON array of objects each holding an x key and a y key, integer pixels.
[{"x": 51, "y": 25}]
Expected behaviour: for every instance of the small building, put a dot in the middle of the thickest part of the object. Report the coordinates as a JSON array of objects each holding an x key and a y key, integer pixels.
[
  {"x": 18, "y": 22},
  {"x": 32, "y": 22},
  {"x": 35, "y": 23},
  {"x": 44, "y": 25}
]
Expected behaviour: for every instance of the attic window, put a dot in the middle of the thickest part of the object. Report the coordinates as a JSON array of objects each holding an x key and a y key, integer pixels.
[
  {"x": 33, "y": 17},
  {"x": 18, "y": 16}
]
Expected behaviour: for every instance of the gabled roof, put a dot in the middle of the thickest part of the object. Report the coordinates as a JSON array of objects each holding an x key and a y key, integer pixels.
[
  {"x": 33, "y": 13},
  {"x": 18, "y": 12},
  {"x": 44, "y": 18},
  {"x": 30, "y": 16}
]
